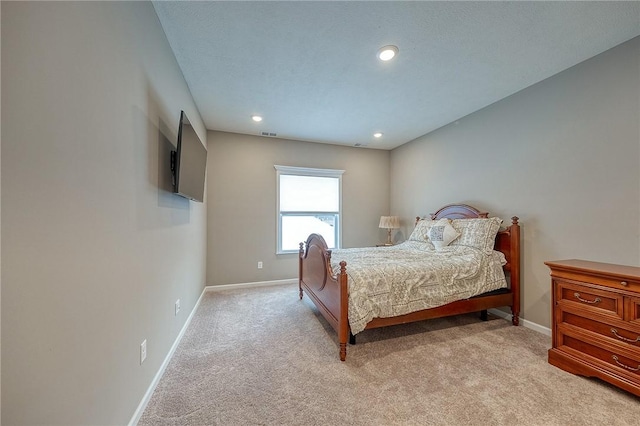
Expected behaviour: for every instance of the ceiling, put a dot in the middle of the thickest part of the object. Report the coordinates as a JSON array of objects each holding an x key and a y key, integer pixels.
[{"x": 310, "y": 68}]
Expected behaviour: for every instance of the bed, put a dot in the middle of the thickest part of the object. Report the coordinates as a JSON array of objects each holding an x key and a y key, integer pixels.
[{"x": 327, "y": 283}]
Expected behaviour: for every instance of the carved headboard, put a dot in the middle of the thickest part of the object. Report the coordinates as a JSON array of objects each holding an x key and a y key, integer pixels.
[{"x": 507, "y": 240}]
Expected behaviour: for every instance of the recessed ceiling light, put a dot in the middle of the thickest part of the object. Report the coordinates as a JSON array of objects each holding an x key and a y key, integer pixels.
[
  {"x": 256, "y": 118},
  {"x": 377, "y": 135},
  {"x": 387, "y": 53}
]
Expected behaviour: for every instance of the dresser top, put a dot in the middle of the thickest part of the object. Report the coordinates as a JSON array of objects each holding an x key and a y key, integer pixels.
[{"x": 595, "y": 268}]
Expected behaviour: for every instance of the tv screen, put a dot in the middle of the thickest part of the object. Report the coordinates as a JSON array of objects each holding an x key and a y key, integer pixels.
[{"x": 189, "y": 162}]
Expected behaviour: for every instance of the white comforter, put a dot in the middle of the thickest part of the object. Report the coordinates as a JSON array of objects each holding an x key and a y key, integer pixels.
[{"x": 411, "y": 276}]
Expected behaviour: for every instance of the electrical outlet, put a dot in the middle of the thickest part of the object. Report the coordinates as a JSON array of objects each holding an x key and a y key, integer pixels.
[
  {"x": 177, "y": 306},
  {"x": 259, "y": 265},
  {"x": 143, "y": 351}
]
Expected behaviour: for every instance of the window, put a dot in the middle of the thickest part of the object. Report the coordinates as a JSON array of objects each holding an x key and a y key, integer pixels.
[{"x": 309, "y": 201}]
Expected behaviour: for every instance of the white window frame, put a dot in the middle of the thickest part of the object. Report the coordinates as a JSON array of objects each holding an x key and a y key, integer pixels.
[{"x": 306, "y": 171}]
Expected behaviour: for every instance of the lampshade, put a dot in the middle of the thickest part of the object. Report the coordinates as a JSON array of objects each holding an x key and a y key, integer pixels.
[{"x": 389, "y": 222}]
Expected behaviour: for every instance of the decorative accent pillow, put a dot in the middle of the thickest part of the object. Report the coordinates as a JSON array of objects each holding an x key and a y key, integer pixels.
[
  {"x": 479, "y": 233},
  {"x": 442, "y": 234}
]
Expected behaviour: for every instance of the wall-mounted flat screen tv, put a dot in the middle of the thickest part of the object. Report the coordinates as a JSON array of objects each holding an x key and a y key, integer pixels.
[{"x": 189, "y": 162}]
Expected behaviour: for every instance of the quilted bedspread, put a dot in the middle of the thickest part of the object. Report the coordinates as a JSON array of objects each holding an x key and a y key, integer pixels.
[{"x": 411, "y": 276}]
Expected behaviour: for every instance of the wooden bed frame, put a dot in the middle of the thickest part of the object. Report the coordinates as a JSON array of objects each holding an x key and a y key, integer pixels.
[{"x": 330, "y": 292}]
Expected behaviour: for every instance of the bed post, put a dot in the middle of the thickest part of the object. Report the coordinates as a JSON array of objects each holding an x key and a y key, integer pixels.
[
  {"x": 515, "y": 269},
  {"x": 343, "y": 321},
  {"x": 300, "y": 256}
]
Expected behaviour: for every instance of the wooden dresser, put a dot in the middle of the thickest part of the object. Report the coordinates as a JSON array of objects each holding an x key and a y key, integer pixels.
[{"x": 596, "y": 321}]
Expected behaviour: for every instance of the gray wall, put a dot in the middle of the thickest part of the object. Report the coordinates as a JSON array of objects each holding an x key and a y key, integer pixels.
[
  {"x": 242, "y": 201},
  {"x": 95, "y": 251},
  {"x": 563, "y": 155},
  {"x": 0, "y": 258}
]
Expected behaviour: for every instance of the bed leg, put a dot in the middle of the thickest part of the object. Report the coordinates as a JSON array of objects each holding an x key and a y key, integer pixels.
[
  {"x": 515, "y": 320},
  {"x": 484, "y": 316},
  {"x": 352, "y": 339},
  {"x": 300, "y": 257},
  {"x": 343, "y": 351}
]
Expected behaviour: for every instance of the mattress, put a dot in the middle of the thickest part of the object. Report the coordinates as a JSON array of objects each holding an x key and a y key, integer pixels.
[{"x": 411, "y": 276}]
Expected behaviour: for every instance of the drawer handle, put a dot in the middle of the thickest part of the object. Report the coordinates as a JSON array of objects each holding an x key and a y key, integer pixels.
[
  {"x": 624, "y": 283},
  {"x": 615, "y": 358},
  {"x": 615, "y": 333},
  {"x": 597, "y": 299}
]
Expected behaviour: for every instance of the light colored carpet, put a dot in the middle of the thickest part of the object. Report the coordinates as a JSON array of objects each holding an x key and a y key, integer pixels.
[{"x": 263, "y": 357}]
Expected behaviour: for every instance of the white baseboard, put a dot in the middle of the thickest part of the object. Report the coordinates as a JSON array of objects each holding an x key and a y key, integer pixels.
[
  {"x": 250, "y": 285},
  {"x": 147, "y": 396},
  {"x": 529, "y": 324}
]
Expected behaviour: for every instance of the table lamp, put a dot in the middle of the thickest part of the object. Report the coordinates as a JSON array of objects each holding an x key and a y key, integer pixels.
[{"x": 389, "y": 223}]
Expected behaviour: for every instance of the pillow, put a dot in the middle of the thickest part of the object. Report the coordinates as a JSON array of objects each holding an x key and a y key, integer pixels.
[
  {"x": 479, "y": 233},
  {"x": 442, "y": 234},
  {"x": 421, "y": 231}
]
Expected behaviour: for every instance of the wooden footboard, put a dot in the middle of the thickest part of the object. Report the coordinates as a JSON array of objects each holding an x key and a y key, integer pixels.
[{"x": 329, "y": 292}]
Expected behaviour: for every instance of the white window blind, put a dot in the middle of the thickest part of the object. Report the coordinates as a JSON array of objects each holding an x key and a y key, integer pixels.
[{"x": 309, "y": 201}]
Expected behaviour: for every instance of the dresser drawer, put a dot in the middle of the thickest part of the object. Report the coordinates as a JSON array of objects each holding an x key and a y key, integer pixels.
[
  {"x": 618, "y": 332},
  {"x": 617, "y": 283},
  {"x": 625, "y": 363},
  {"x": 609, "y": 275},
  {"x": 632, "y": 310},
  {"x": 589, "y": 299}
]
